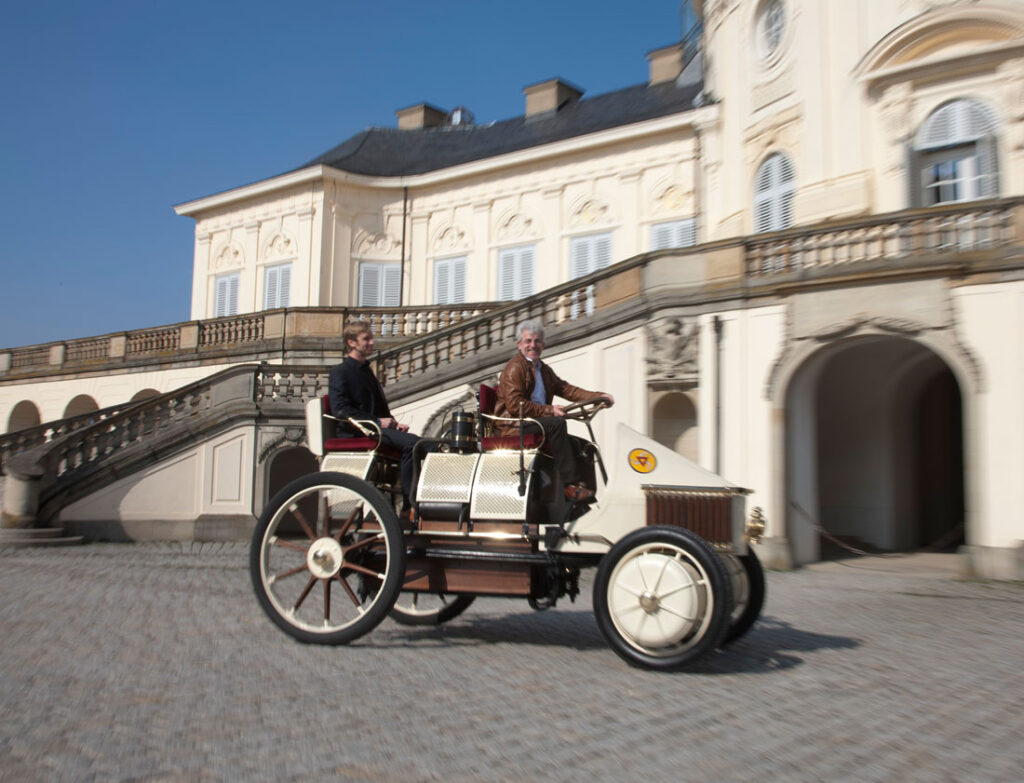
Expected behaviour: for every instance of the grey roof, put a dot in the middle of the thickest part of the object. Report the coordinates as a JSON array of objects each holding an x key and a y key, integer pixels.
[{"x": 389, "y": 152}]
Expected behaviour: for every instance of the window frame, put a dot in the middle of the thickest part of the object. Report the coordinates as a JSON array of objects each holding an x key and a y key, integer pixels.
[
  {"x": 281, "y": 300},
  {"x": 679, "y": 229},
  {"x": 597, "y": 257},
  {"x": 387, "y": 271},
  {"x": 226, "y": 296},
  {"x": 450, "y": 273},
  {"x": 523, "y": 285}
]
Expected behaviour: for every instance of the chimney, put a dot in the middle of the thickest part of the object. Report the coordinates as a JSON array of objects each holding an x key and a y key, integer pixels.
[
  {"x": 550, "y": 96},
  {"x": 422, "y": 115},
  {"x": 666, "y": 63}
]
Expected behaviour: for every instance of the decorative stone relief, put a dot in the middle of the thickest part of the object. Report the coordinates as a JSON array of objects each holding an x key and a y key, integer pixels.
[
  {"x": 229, "y": 257},
  {"x": 449, "y": 238},
  {"x": 273, "y": 438},
  {"x": 515, "y": 226},
  {"x": 375, "y": 245},
  {"x": 670, "y": 201},
  {"x": 281, "y": 246},
  {"x": 590, "y": 213},
  {"x": 673, "y": 350}
]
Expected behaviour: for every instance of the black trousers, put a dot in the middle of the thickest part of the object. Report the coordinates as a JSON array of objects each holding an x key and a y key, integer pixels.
[
  {"x": 558, "y": 444},
  {"x": 404, "y": 442}
]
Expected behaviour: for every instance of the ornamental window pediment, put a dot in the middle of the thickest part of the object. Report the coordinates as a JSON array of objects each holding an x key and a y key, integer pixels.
[
  {"x": 943, "y": 36},
  {"x": 589, "y": 213},
  {"x": 515, "y": 227},
  {"x": 230, "y": 256},
  {"x": 281, "y": 247},
  {"x": 380, "y": 245},
  {"x": 449, "y": 238}
]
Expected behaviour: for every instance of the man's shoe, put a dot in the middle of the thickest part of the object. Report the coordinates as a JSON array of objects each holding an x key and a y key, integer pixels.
[{"x": 577, "y": 493}]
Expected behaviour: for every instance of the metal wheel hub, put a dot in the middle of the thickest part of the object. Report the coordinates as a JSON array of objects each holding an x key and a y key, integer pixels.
[{"x": 325, "y": 558}]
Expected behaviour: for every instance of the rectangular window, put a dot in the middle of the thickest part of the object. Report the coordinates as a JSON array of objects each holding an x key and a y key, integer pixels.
[
  {"x": 277, "y": 283},
  {"x": 450, "y": 280},
  {"x": 675, "y": 233},
  {"x": 380, "y": 285},
  {"x": 225, "y": 295},
  {"x": 588, "y": 254},
  {"x": 515, "y": 272}
]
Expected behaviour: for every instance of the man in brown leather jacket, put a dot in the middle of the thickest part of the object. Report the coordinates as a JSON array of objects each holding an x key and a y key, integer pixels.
[{"x": 527, "y": 387}]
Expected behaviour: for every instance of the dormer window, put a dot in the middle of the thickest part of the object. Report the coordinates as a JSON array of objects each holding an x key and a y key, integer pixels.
[{"x": 770, "y": 25}]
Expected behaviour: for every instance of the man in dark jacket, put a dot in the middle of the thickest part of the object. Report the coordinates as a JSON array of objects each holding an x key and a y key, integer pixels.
[
  {"x": 355, "y": 393},
  {"x": 527, "y": 387}
]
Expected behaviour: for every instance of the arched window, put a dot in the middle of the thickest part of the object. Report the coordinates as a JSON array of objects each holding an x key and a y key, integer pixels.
[
  {"x": 954, "y": 155},
  {"x": 773, "y": 194}
]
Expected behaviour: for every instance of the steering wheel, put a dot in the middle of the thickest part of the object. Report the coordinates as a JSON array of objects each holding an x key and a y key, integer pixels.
[{"x": 586, "y": 409}]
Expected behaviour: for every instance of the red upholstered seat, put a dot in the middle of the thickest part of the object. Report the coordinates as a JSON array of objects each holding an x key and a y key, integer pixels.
[
  {"x": 350, "y": 444},
  {"x": 359, "y": 444},
  {"x": 488, "y": 399}
]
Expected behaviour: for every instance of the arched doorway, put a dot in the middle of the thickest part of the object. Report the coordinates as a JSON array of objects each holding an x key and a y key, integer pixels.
[
  {"x": 23, "y": 415},
  {"x": 874, "y": 450},
  {"x": 674, "y": 424},
  {"x": 144, "y": 394},
  {"x": 83, "y": 403},
  {"x": 285, "y": 466}
]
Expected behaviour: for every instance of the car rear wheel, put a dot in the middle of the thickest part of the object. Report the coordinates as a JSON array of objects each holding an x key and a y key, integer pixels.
[{"x": 327, "y": 558}]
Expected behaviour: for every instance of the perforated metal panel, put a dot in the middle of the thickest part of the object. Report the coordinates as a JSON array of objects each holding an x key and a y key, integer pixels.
[
  {"x": 496, "y": 489},
  {"x": 447, "y": 478},
  {"x": 357, "y": 465}
]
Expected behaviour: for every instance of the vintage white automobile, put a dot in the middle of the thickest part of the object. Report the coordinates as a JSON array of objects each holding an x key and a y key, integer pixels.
[{"x": 676, "y": 577}]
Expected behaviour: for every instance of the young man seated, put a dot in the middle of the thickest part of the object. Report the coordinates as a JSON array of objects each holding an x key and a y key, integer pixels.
[
  {"x": 355, "y": 393},
  {"x": 527, "y": 387}
]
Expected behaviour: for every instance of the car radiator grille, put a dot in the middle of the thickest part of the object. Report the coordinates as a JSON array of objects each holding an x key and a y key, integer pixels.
[{"x": 708, "y": 513}]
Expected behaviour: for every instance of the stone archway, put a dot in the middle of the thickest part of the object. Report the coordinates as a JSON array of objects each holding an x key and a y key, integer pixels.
[
  {"x": 144, "y": 394},
  {"x": 23, "y": 415},
  {"x": 874, "y": 449}
]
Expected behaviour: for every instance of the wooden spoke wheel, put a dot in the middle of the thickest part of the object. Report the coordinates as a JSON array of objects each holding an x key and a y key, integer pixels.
[
  {"x": 429, "y": 608},
  {"x": 327, "y": 558}
]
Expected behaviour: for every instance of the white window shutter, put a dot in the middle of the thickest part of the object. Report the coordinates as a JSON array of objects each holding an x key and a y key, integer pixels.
[
  {"x": 458, "y": 275},
  {"x": 442, "y": 281},
  {"x": 284, "y": 286},
  {"x": 579, "y": 257},
  {"x": 526, "y": 272},
  {"x": 602, "y": 251},
  {"x": 773, "y": 195},
  {"x": 589, "y": 253},
  {"x": 225, "y": 295},
  {"x": 391, "y": 295},
  {"x": 661, "y": 236},
  {"x": 369, "y": 285}
]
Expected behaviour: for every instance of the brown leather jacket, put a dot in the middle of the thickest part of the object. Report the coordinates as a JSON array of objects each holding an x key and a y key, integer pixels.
[{"x": 516, "y": 386}]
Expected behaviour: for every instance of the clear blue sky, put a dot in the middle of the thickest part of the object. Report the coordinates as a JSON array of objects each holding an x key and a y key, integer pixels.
[{"x": 113, "y": 112}]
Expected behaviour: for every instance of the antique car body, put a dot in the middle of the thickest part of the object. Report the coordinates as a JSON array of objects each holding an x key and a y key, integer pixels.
[{"x": 676, "y": 577}]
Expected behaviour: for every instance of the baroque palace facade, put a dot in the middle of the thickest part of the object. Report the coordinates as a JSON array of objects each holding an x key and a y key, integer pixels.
[{"x": 794, "y": 255}]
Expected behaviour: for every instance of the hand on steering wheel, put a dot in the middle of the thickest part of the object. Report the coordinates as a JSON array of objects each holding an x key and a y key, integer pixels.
[{"x": 585, "y": 410}]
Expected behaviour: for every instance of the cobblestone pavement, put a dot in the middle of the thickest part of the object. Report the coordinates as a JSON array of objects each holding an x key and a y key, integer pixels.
[{"x": 154, "y": 662}]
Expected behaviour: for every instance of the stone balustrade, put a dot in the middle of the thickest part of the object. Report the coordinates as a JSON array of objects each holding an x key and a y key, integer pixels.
[
  {"x": 424, "y": 338},
  {"x": 242, "y": 338}
]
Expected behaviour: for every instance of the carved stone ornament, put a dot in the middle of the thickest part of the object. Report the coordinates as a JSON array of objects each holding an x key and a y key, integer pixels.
[
  {"x": 672, "y": 352},
  {"x": 280, "y": 247},
  {"x": 452, "y": 237},
  {"x": 290, "y": 435},
  {"x": 897, "y": 326},
  {"x": 377, "y": 245},
  {"x": 229, "y": 257},
  {"x": 671, "y": 200},
  {"x": 590, "y": 213},
  {"x": 515, "y": 226}
]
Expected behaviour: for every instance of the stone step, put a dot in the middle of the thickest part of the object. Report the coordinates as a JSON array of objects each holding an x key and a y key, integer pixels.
[{"x": 36, "y": 536}]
